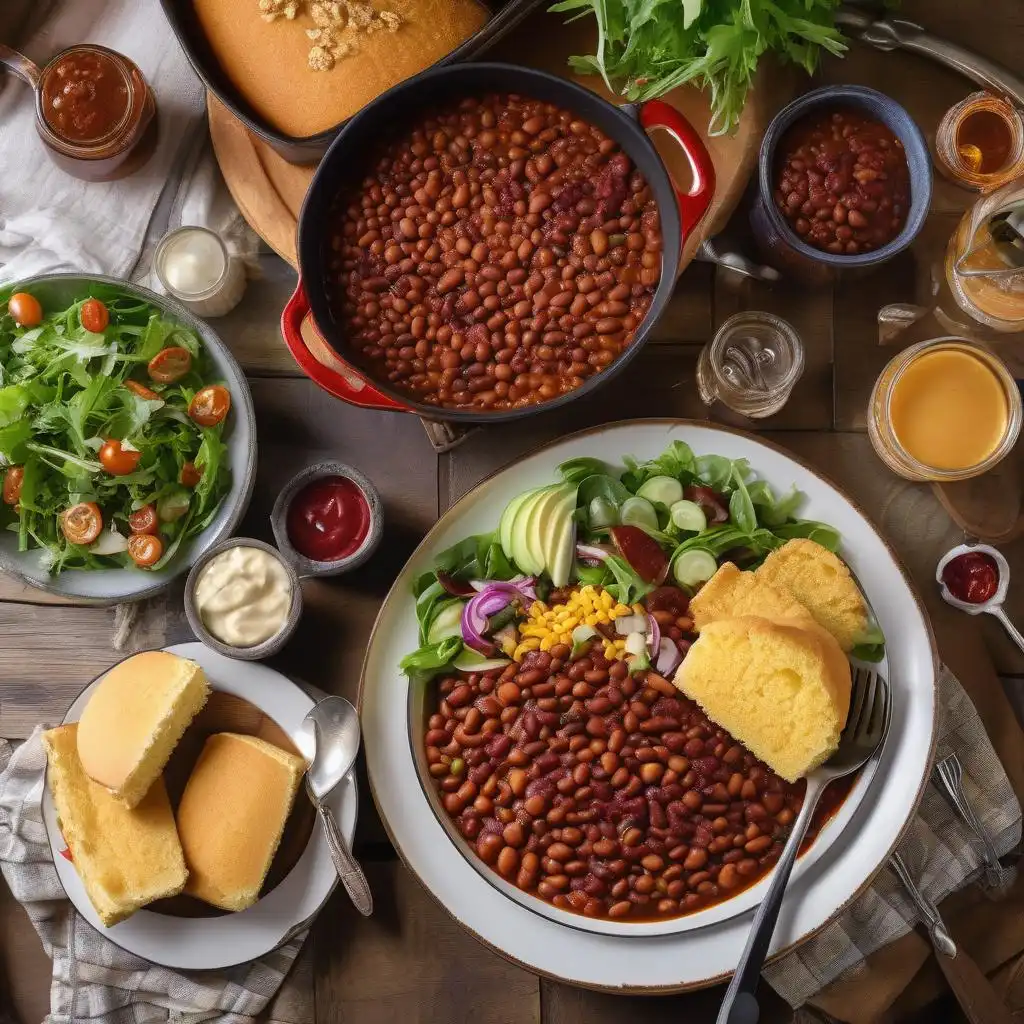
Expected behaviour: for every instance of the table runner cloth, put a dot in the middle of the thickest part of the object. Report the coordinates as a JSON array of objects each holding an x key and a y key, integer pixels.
[{"x": 93, "y": 979}]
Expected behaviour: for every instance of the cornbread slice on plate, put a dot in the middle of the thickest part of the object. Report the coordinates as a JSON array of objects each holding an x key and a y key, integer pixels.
[
  {"x": 125, "y": 858},
  {"x": 232, "y": 816},
  {"x": 781, "y": 689},
  {"x": 135, "y": 718},
  {"x": 822, "y": 583},
  {"x": 731, "y": 593}
]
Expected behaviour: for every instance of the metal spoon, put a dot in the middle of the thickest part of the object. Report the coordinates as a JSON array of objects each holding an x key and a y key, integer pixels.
[
  {"x": 866, "y": 726},
  {"x": 994, "y": 605},
  {"x": 329, "y": 740}
]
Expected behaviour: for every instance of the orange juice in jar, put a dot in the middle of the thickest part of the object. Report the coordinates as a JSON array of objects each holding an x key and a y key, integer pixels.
[{"x": 944, "y": 410}]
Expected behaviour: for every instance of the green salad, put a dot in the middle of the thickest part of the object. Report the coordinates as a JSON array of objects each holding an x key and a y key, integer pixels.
[
  {"x": 633, "y": 533},
  {"x": 111, "y": 422}
]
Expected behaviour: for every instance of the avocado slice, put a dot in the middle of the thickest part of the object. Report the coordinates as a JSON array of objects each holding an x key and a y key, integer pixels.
[
  {"x": 543, "y": 518},
  {"x": 561, "y": 538},
  {"x": 522, "y": 530},
  {"x": 507, "y": 519}
]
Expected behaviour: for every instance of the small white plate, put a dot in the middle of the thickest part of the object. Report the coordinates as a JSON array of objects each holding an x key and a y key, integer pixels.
[
  {"x": 111, "y": 586},
  {"x": 212, "y": 943},
  {"x": 653, "y": 957}
]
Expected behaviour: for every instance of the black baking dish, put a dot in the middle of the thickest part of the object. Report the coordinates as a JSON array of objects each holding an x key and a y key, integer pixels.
[{"x": 181, "y": 14}]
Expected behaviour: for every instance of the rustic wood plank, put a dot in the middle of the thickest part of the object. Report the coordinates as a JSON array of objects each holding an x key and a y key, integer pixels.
[
  {"x": 295, "y": 1002},
  {"x": 412, "y": 963},
  {"x": 809, "y": 312},
  {"x": 687, "y": 317}
]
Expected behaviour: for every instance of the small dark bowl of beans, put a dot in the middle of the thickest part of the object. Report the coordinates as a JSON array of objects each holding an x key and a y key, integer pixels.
[
  {"x": 606, "y": 801},
  {"x": 486, "y": 240},
  {"x": 844, "y": 179}
]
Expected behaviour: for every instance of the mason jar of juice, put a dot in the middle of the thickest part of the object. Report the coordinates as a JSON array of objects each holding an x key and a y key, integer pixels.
[{"x": 944, "y": 410}]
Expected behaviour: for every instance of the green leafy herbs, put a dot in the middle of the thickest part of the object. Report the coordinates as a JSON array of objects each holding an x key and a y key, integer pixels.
[
  {"x": 63, "y": 393},
  {"x": 871, "y": 646},
  {"x": 645, "y": 48}
]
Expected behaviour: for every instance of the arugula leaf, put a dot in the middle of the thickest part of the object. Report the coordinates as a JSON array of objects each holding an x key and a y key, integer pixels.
[
  {"x": 870, "y": 646},
  {"x": 430, "y": 659},
  {"x": 741, "y": 508},
  {"x": 577, "y": 470},
  {"x": 676, "y": 461},
  {"x": 821, "y": 533},
  {"x": 628, "y": 586}
]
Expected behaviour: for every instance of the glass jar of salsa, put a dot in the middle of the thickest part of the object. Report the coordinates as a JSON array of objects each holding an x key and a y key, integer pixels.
[{"x": 95, "y": 112}]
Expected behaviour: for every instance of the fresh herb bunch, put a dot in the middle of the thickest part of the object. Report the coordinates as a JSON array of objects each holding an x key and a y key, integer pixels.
[
  {"x": 62, "y": 394},
  {"x": 645, "y": 48}
]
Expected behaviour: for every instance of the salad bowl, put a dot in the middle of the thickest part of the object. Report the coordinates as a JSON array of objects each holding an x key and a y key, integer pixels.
[{"x": 117, "y": 583}]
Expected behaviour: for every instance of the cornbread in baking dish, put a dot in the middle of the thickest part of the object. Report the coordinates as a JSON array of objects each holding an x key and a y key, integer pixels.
[
  {"x": 232, "y": 816},
  {"x": 134, "y": 719},
  {"x": 305, "y": 66},
  {"x": 125, "y": 858},
  {"x": 822, "y": 583},
  {"x": 781, "y": 688}
]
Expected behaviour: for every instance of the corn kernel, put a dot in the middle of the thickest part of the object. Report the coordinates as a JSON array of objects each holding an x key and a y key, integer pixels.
[
  {"x": 607, "y": 601},
  {"x": 591, "y": 620},
  {"x": 566, "y": 638},
  {"x": 548, "y": 642},
  {"x": 623, "y": 609}
]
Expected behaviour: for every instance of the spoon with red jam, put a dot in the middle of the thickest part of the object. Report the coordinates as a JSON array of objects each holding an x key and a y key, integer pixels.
[{"x": 975, "y": 579}]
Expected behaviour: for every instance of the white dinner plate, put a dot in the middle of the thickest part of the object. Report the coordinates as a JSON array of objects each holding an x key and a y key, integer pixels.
[
  {"x": 684, "y": 952},
  {"x": 111, "y": 586},
  {"x": 211, "y": 943}
]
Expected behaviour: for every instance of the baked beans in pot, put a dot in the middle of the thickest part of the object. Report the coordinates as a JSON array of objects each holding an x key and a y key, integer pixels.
[
  {"x": 410, "y": 269},
  {"x": 604, "y": 794}
]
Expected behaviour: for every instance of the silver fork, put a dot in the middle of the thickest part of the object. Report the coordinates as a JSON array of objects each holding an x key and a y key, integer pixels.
[
  {"x": 975, "y": 993},
  {"x": 866, "y": 727},
  {"x": 951, "y": 776}
]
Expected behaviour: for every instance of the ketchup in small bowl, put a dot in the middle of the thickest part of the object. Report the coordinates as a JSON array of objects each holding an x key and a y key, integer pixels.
[
  {"x": 972, "y": 577},
  {"x": 328, "y": 519}
]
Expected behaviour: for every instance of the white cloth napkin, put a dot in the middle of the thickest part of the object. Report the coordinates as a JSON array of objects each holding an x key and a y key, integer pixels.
[
  {"x": 50, "y": 221},
  {"x": 938, "y": 850},
  {"x": 94, "y": 980}
]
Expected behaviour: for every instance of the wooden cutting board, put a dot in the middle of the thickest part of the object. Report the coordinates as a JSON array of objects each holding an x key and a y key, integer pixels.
[{"x": 269, "y": 191}]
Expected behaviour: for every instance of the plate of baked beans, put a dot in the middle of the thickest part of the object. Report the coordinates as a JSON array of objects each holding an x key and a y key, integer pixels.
[
  {"x": 626, "y": 837},
  {"x": 486, "y": 240}
]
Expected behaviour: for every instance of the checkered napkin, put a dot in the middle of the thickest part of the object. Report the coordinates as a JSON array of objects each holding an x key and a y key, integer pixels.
[
  {"x": 94, "y": 980},
  {"x": 938, "y": 849}
]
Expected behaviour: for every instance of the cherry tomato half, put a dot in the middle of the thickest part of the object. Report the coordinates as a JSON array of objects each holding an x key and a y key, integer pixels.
[
  {"x": 170, "y": 364},
  {"x": 144, "y": 520},
  {"x": 116, "y": 460},
  {"x": 13, "y": 478},
  {"x": 141, "y": 390},
  {"x": 94, "y": 316},
  {"x": 210, "y": 405},
  {"x": 145, "y": 549},
  {"x": 190, "y": 475},
  {"x": 25, "y": 309},
  {"x": 82, "y": 523}
]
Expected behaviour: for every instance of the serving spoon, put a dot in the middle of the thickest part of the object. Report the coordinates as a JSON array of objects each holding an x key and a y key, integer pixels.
[
  {"x": 329, "y": 741},
  {"x": 866, "y": 728},
  {"x": 994, "y": 605}
]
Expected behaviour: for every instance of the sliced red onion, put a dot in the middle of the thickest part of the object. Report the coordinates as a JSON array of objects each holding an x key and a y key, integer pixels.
[
  {"x": 591, "y": 554},
  {"x": 653, "y": 636},
  {"x": 475, "y": 614},
  {"x": 669, "y": 657},
  {"x": 523, "y": 586},
  {"x": 457, "y": 588}
]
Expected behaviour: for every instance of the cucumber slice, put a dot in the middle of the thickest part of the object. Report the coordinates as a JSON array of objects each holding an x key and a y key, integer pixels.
[
  {"x": 602, "y": 513},
  {"x": 665, "y": 490},
  {"x": 638, "y": 512},
  {"x": 469, "y": 660},
  {"x": 694, "y": 566},
  {"x": 447, "y": 622},
  {"x": 688, "y": 515}
]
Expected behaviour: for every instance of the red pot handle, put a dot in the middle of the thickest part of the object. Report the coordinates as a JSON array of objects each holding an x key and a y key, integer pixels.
[
  {"x": 320, "y": 362},
  {"x": 695, "y": 203}
]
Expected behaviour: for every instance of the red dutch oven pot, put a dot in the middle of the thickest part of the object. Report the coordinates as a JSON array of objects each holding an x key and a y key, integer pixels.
[{"x": 308, "y": 324}]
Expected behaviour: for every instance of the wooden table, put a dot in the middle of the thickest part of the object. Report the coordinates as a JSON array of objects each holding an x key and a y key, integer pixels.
[{"x": 411, "y": 962}]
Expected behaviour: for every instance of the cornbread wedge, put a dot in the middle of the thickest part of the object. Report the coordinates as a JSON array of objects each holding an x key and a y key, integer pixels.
[
  {"x": 232, "y": 816},
  {"x": 781, "y": 689},
  {"x": 125, "y": 858},
  {"x": 822, "y": 583},
  {"x": 135, "y": 718},
  {"x": 731, "y": 593}
]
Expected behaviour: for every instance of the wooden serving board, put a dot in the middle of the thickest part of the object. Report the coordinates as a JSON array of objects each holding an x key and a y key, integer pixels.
[{"x": 269, "y": 191}]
